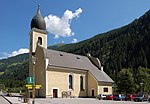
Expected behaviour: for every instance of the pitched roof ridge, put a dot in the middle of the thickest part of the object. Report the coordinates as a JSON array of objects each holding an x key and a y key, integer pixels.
[{"x": 66, "y": 53}]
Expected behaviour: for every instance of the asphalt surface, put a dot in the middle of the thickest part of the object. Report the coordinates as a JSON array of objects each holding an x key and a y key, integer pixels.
[
  {"x": 82, "y": 101},
  {"x": 3, "y": 100},
  {"x": 48, "y": 100}
]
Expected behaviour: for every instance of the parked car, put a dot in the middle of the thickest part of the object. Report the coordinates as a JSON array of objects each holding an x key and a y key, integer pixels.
[
  {"x": 101, "y": 96},
  {"x": 141, "y": 97},
  {"x": 109, "y": 97},
  {"x": 119, "y": 97},
  {"x": 130, "y": 97}
]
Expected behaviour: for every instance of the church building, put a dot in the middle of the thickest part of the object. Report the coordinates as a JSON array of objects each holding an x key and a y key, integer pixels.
[{"x": 63, "y": 74}]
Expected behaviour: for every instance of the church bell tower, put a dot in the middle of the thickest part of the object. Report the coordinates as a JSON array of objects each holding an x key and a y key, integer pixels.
[{"x": 38, "y": 36}]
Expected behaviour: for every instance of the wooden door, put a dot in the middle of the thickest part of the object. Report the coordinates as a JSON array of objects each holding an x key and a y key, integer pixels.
[
  {"x": 92, "y": 93},
  {"x": 55, "y": 93}
]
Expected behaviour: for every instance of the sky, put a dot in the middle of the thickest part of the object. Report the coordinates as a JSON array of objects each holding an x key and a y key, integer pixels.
[{"x": 67, "y": 21}]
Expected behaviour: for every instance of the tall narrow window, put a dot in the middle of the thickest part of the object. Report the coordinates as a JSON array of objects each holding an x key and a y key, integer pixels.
[
  {"x": 70, "y": 82},
  {"x": 81, "y": 83},
  {"x": 40, "y": 40}
]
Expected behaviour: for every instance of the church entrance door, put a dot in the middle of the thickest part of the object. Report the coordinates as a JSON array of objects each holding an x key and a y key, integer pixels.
[
  {"x": 55, "y": 93},
  {"x": 92, "y": 93}
]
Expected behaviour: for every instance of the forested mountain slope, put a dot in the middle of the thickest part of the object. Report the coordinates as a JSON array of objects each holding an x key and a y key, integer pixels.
[{"x": 128, "y": 46}]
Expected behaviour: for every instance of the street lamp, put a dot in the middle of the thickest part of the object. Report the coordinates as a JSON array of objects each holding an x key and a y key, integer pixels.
[
  {"x": 114, "y": 88},
  {"x": 141, "y": 86},
  {"x": 2, "y": 86},
  {"x": 33, "y": 84}
]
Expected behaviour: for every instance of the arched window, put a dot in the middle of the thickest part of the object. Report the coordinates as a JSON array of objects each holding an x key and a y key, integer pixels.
[
  {"x": 70, "y": 82},
  {"x": 40, "y": 40},
  {"x": 81, "y": 83}
]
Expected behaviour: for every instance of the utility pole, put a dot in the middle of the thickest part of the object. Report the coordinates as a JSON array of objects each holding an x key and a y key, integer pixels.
[{"x": 33, "y": 84}]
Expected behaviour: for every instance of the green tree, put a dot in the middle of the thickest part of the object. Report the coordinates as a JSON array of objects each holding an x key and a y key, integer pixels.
[
  {"x": 142, "y": 58},
  {"x": 125, "y": 81},
  {"x": 143, "y": 76}
]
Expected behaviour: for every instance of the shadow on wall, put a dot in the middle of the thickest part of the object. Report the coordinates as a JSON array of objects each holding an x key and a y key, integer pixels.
[
  {"x": 68, "y": 94},
  {"x": 82, "y": 94}
]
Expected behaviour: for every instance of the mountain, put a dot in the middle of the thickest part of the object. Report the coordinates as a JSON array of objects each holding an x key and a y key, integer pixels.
[
  {"x": 13, "y": 61},
  {"x": 14, "y": 70},
  {"x": 125, "y": 47},
  {"x": 56, "y": 46},
  {"x": 128, "y": 46}
]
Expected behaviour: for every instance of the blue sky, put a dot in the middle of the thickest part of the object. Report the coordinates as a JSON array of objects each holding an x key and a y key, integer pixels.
[{"x": 89, "y": 18}]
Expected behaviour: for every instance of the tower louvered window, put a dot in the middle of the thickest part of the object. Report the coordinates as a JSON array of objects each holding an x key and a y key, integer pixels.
[{"x": 40, "y": 40}]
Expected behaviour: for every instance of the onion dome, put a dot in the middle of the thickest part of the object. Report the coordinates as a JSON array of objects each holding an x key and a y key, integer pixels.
[{"x": 38, "y": 21}]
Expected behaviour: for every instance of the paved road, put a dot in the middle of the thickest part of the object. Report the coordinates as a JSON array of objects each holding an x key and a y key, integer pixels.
[
  {"x": 3, "y": 101},
  {"x": 83, "y": 101}
]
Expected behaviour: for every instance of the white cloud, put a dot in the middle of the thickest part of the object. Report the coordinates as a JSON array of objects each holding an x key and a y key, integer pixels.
[
  {"x": 20, "y": 51},
  {"x": 74, "y": 40},
  {"x": 14, "y": 53},
  {"x": 4, "y": 55},
  {"x": 61, "y": 27}
]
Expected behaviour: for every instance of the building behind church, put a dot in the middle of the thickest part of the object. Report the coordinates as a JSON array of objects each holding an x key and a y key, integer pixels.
[{"x": 64, "y": 74}]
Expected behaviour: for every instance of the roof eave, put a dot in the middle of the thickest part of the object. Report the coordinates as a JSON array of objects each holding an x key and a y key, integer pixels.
[{"x": 67, "y": 68}]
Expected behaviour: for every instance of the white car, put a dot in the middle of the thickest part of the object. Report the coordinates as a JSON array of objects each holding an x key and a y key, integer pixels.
[{"x": 102, "y": 96}]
